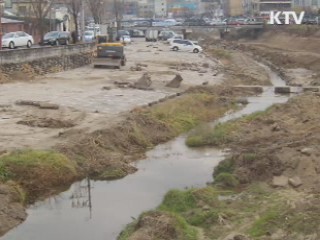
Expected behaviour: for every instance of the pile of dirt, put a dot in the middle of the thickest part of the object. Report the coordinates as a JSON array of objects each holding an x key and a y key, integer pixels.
[
  {"x": 302, "y": 52},
  {"x": 46, "y": 122},
  {"x": 144, "y": 83},
  {"x": 175, "y": 82},
  {"x": 12, "y": 210},
  {"x": 39, "y": 104},
  {"x": 158, "y": 226},
  {"x": 284, "y": 141}
]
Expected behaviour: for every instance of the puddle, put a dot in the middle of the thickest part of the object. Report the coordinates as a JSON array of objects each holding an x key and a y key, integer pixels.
[{"x": 99, "y": 210}]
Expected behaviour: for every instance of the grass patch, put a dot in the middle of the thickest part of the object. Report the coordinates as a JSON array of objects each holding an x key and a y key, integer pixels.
[
  {"x": 226, "y": 180},
  {"x": 159, "y": 225},
  {"x": 204, "y": 136},
  {"x": 187, "y": 112},
  {"x": 222, "y": 133},
  {"x": 202, "y": 218},
  {"x": 112, "y": 174},
  {"x": 254, "y": 116},
  {"x": 128, "y": 231},
  {"x": 225, "y": 166},
  {"x": 36, "y": 171},
  {"x": 266, "y": 224},
  {"x": 220, "y": 53},
  {"x": 178, "y": 201}
]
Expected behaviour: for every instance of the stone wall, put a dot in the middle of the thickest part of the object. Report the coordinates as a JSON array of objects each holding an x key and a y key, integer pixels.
[{"x": 25, "y": 64}]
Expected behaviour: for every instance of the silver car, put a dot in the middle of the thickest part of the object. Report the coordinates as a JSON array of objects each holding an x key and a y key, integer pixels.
[{"x": 17, "y": 39}]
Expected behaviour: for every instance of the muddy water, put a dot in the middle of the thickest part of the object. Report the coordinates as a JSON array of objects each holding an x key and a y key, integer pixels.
[{"x": 99, "y": 210}]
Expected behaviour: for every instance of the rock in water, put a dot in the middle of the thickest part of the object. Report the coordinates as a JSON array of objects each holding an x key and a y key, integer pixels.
[
  {"x": 144, "y": 82},
  {"x": 175, "y": 82}
]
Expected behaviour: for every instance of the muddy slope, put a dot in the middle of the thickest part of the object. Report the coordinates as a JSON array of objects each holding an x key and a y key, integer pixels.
[
  {"x": 294, "y": 50},
  {"x": 281, "y": 141}
]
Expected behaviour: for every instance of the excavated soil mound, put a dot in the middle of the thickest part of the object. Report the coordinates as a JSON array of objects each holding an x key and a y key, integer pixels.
[
  {"x": 175, "y": 82},
  {"x": 144, "y": 82},
  {"x": 156, "y": 225},
  {"x": 283, "y": 141},
  {"x": 47, "y": 123},
  {"x": 11, "y": 210}
]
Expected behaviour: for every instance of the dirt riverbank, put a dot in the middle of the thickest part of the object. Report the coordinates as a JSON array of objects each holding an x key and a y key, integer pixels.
[{"x": 268, "y": 186}]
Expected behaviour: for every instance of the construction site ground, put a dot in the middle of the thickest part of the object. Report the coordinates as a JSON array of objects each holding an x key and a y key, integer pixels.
[{"x": 88, "y": 97}]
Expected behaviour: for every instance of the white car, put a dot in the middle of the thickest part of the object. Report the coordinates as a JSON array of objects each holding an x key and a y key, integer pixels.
[
  {"x": 170, "y": 40},
  {"x": 125, "y": 39},
  {"x": 185, "y": 45},
  {"x": 17, "y": 39},
  {"x": 89, "y": 36}
]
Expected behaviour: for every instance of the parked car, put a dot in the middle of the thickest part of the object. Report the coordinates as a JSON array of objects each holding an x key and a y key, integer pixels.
[
  {"x": 135, "y": 33},
  {"x": 185, "y": 45},
  {"x": 164, "y": 35},
  {"x": 310, "y": 20},
  {"x": 177, "y": 37},
  {"x": 125, "y": 39},
  {"x": 195, "y": 22},
  {"x": 217, "y": 22},
  {"x": 89, "y": 36},
  {"x": 56, "y": 38},
  {"x": 17, "y": 39},
  {"x": 122, "y": 33}
]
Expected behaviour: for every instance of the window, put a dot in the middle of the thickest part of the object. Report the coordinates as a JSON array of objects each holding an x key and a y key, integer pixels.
[
  {"x": 21, "y": 34},
  {"x": 22, "y": 10}
]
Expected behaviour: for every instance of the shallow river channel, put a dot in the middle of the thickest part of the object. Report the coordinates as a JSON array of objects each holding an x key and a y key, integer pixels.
[{"x": 99, "y": 210}]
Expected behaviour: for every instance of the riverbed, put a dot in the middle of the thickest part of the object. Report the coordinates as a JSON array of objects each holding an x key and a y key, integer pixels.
[{"x": 99, "y": 210}]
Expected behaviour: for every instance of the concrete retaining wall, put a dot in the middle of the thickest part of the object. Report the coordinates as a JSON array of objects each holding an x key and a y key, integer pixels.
[{"x": 21, "y": 64}]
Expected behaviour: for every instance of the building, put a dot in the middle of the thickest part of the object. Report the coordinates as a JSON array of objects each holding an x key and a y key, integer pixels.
[
  {"x": 10, "y": 25},
  {"x": 145, "y": 8},
  {"x": 210, "y": 8},
  {"x": 130, "y": 9},
  {"x": 160, "y": 8},
  {"x": 263, "y": 7},
  {"x": 182, "y": 8},
  {"x": 312, "y": 6},
  {"x": 233, "y": 8}
]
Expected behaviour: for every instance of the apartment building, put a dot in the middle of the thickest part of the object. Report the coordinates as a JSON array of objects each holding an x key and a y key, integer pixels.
[
  {"x": 306, "y": 5},
  {"x": 160, "y": 8},
  {"x": 233, "y": 8},
  {"x": 265, "y": 6}
]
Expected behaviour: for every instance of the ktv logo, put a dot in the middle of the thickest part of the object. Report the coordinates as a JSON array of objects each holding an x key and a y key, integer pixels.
[{"x": 288, "y": 16}]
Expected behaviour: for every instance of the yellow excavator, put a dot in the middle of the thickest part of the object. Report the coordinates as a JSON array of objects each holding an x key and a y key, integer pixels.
[{"x": 109, "y": 55}]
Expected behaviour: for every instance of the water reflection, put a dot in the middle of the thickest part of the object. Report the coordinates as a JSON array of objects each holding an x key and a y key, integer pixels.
[{"x": 81, "y": 196}]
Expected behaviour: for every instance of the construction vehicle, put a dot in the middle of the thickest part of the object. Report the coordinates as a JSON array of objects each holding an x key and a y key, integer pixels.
[{"x": 109, "y": 55}]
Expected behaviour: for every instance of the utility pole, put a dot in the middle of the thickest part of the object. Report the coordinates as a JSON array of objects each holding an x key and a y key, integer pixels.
[
  {"x": 82, "y": 23},
  {"x": 1, "y": 14}
]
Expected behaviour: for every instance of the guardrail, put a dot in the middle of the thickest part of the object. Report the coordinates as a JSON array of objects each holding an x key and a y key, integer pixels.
[
  {"x": 33, "y": 54},
  {"x": 251, "y": 26}
]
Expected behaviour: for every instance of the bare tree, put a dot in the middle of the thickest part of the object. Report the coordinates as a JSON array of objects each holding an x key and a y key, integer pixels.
[
  {"x": 74, "y": 7},
  {"x": 40, "y": 9},
  {"x": 97, "y": 9},
  {"x": 118, "y": 10}
]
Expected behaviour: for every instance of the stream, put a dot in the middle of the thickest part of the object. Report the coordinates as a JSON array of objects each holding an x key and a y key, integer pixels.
[{"x": 99, "y": 210}]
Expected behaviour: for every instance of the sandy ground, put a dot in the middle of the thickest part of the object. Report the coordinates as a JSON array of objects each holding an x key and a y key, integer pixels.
[{"x": 88, "y": 98}]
